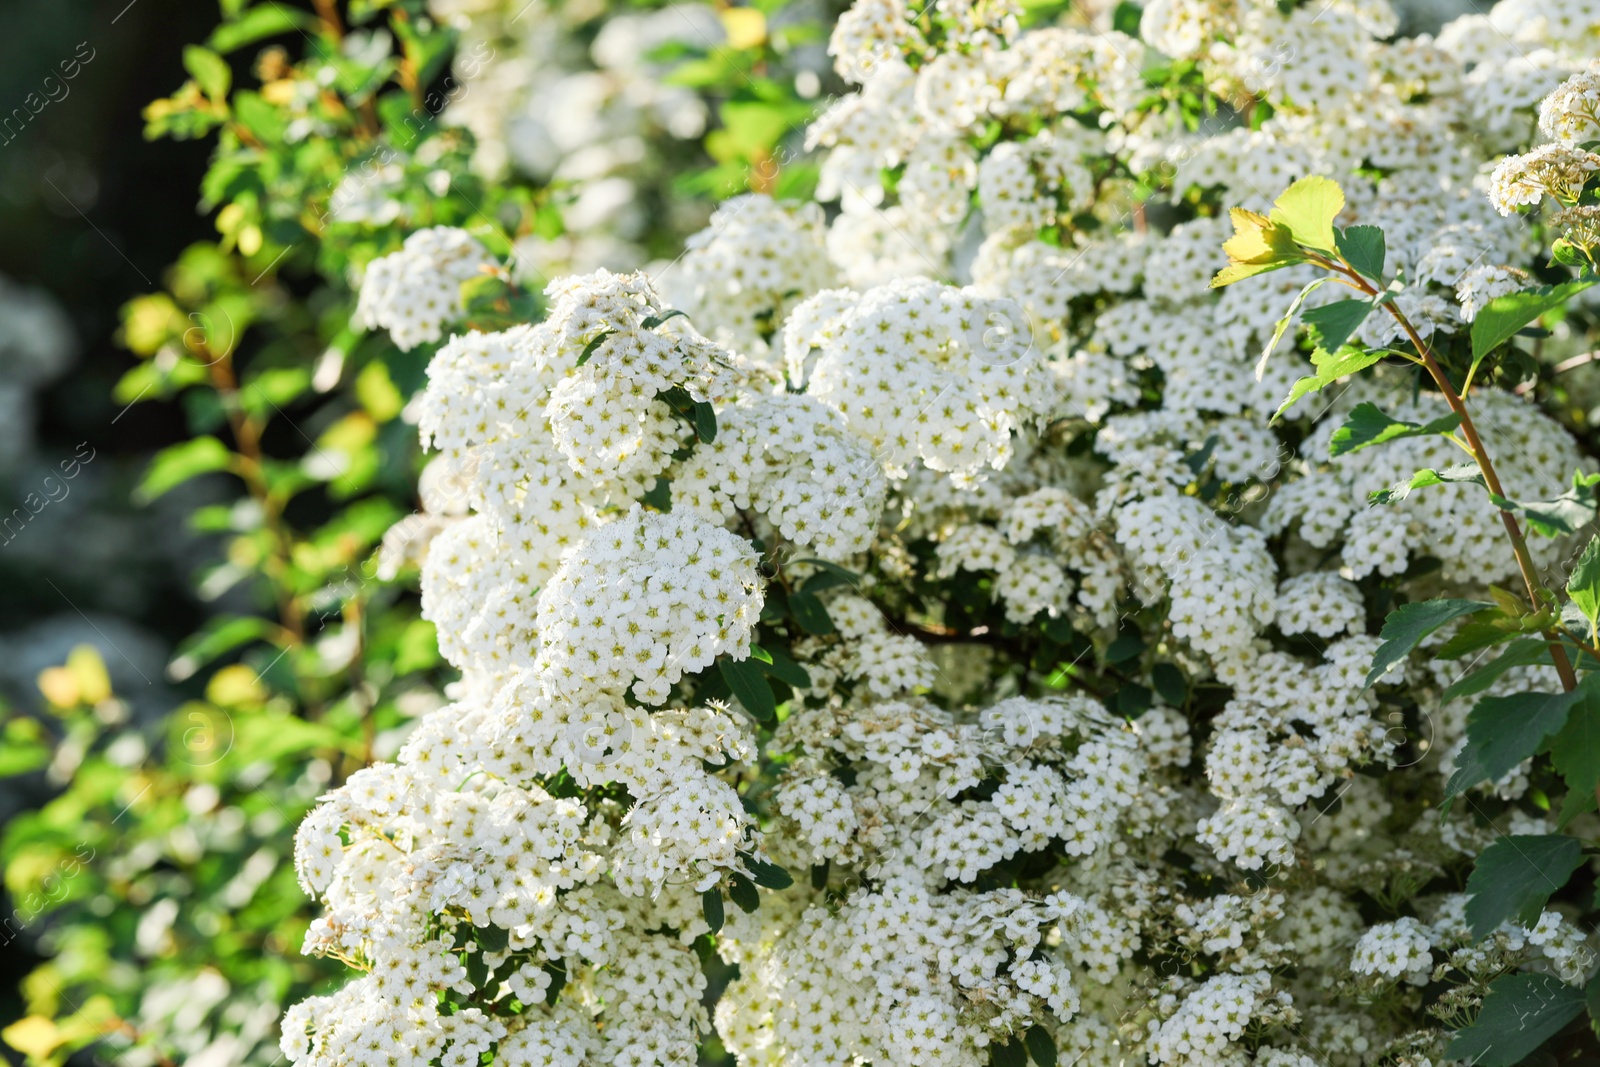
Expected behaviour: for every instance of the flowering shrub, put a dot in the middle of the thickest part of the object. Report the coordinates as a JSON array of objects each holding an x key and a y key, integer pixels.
[
  {"x": 172, "y": 939},
  {"x": 1131, "y": 726},
  {"x": 949, "y": 622}
]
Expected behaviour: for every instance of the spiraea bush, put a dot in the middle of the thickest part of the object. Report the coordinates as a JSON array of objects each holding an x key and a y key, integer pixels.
[
  {"x": 955, "y": 625},
  {"x": 1106, "y": 580}
]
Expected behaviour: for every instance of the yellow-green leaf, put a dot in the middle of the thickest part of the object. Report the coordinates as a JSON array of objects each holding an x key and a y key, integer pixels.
[
  {"x": 1257, "y": 246},
  {"x": 1307, "y": 209},
  {"x": 178, "y": 463}
]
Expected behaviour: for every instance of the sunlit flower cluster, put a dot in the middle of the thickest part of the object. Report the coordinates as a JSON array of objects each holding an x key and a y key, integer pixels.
[{"x": 416, "y": 293}]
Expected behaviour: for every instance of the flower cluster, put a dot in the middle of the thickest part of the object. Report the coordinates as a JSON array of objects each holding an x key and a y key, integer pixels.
[
  {"x": 921, "y": 371},
  {"x": 793, "y": 462},
  {"x": 415, "y": 293},
  {"x": 437, "y": 887},
  {"x": 1559, "y": 170},
  {"x": 643, "y": 601},
  {"x": 738, "y": 278},
  {"x": 468, "y": 891},
  {"x": 925, "y": 963}
]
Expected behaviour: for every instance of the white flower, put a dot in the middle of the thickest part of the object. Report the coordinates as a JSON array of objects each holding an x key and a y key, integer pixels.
[{"x": 416, "y": 292}]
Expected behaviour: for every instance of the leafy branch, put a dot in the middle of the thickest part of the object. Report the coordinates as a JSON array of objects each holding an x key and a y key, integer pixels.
[{"x": 1300, "y": 230}]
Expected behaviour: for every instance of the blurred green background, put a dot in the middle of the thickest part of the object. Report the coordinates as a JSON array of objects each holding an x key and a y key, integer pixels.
[{"x": 90, "y": 215}]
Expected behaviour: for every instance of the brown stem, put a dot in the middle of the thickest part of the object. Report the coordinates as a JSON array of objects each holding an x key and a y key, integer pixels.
[
  {"x": 328, "y": 12},
  {"x": 1584, "y": 646},
  {"x": 1469, "y": 429},
  {"x": 247, "y": 436},
  {"x": 407, "y": 74},
  {"x": 328, "y": 15}
]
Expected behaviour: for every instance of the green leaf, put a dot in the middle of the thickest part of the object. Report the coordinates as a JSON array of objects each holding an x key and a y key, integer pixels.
[
  {"x": 656, "y": 320},
  {"x": 427, "y": 46},
  {"x": 1524, "y": 652},
  {"x": 1368, "y": 426},
  {"x": 1126, "y": 18},
  {"x": 1583, "y": 586},
  {"x": 416, "y": 648},
  {"x": 259, "y": 117},
  {"x": 1364, "y": 249},
  {"x": 1308, "y": 208},
  {"x": 1196, "y": 461},
  {"x": 173, "y": 466},
  {"x": 1332, "y": 324},
  {"x": 1330, "y": 367},
  {"x": 829, "y": 575},
  {"x": 265, "y": 738},
  {"x": 769, "y": 875},
  {"x": 1494, "y": 628},
  {"x": 658, "y": 496},
  {"x": 22, "y": 747},
  {"x": 477, "y": 969},
  {"x": 1505, "y": 730},
  {"x": 1133, "y": 700},
  {"x": 1128, "y": 644},
  {"x": 810, "y": 613},
  {"x": 265, "y": 20},
  {"x": 1516, "y": 875},
  {"x": 1010, "y": 1053},
  {"x": 1257, "y": 246},
  {"x": 558, "y": 974},
  {"x": 743, "y": 893},
  {"x": 481, "y": 292},
  {"x": 1573, "y": 805},
  {"x": 1041, "y": 1046},
  {"x": 1408, "y": 624},
  {"x": 1235, "y": 272},
  {"x": 786, "y": 670},
  {"x": 819, "y": 876},
  {"x": 1500, "y": 319},
  {"x": 705, "y": 421},
  {"x": 1283, "y": 324},
  {"x": 277, "y": 387},
  {"x": 1466, "y": 472},
  {"x": 751, "y": 127},
  {"x": 699, "y": 413},
  {"x": 1566, "y": 253},
  {"x": 1566, "y": 514},
  {"x": 1521, "y": 1012},
  {"x": 209, "y": 70},
  {"x": 589, "y": 349},
  {"x": 711, "y": 904},
  {"x": 1170, "y": 684},
  {"x": 494, "y": 938},
  {"x": 22, "y": 759},
  {"x": 749, "y": 685},
  {"x": 217, "y": 636},
  {"x": 1575, "y": 749}
]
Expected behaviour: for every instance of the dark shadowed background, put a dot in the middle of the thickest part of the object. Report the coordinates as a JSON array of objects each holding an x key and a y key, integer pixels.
[{"x": 90, "y": 214}]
